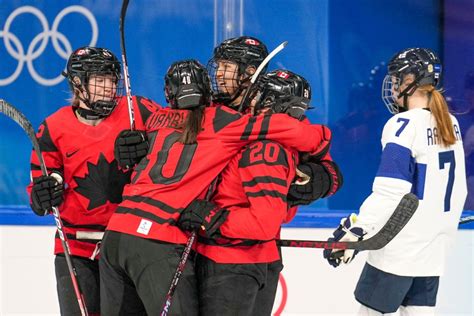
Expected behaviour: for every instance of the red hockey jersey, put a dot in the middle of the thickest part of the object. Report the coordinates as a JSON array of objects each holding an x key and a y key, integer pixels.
[
  {"x": 253, "y": 187},
  {"x": 172, "y": 174},
  {"x": 84, "y": 155}
]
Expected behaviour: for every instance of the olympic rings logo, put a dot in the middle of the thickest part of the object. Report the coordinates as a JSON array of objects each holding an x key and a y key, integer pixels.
[{"x": 15, "y": 48}]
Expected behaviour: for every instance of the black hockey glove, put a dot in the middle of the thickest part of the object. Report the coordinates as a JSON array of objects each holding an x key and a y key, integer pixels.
[
  {"x": 202, "y": 214},
  {"x": 325, "y": 180},
  {"x": 47, "y": 191},
  {"x": 130, "y": 148}
]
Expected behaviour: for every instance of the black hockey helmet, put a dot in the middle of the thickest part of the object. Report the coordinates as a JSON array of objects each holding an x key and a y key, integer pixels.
[
  {"x": 187, "y": 85},
  {"x": 422, "y": 63},
  {"x": 283, "y": 92},
  {"x": 87, "y": 61},
  {"x": 244, "y": 52}
]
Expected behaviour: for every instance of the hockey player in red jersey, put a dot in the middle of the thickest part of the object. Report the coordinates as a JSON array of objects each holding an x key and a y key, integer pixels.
[
  {"x": 190, "y": 144},
  {"x": 233, "y": 63},
  {"x": 85, "y": 181},
  {"x": 238, "y": 268}
]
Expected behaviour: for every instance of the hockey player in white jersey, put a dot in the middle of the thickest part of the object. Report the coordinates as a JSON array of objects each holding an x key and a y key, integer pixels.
[{"x": 423, "y": 154}]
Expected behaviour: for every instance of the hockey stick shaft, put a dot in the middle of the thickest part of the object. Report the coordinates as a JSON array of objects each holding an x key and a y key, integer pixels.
[
  {"x": 258, "y": 71},
  {"x": 400, "y": 217},
  {"x": 182, "y": 261},
  {"x": 126, "y": 75},
  {"x": 10, "y": 111}
]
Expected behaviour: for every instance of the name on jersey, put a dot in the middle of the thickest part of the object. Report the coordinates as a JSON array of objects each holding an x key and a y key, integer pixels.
[
  {"x": 432, "y": 135},
  {"x": 169, "y": 119}
]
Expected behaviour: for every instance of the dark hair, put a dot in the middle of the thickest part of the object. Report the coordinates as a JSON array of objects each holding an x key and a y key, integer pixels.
[{"x": 192, "y": 125}]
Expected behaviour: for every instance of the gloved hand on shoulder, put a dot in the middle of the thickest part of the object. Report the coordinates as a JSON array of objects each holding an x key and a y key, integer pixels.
[
  {"x": 322, "y": 179},
  {"x": 130, "y": 148}
]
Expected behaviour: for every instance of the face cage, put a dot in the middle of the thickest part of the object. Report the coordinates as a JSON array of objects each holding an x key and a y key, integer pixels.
[
  {"x": 103, "y": 103},
  {"x": 388, "y": 97},
  {"x": 225, "y": 85},
  {"x": 293, "y": 106}
]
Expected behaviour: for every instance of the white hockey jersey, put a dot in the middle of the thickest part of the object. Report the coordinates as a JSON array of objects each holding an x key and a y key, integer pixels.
[{"x": 414, "y": 161}]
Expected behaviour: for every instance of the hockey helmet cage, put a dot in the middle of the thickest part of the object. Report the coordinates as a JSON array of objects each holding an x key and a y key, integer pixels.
[
  {"x": 87, "y": 61},
  {"x": 283, "y": 92},
  {"x": 422, "y": 63}
]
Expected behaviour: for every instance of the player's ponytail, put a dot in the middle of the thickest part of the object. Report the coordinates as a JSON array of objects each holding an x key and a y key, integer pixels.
[
  {"x": 192, "y": 125},
  {"x": 439, "y": 108}
]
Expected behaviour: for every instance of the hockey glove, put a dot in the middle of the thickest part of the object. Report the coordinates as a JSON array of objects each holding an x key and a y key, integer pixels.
[
  {"x": 47, "y": 191},
  {"x": 130, "y": 148},
  {"x": 347, "y": 231},
  {"x": 325, "y": 179},
  {"x": 202, "y": 215}
]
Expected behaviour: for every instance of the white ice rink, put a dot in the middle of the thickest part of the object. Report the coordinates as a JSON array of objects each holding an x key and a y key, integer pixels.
[{"x": 313, "y": 287}]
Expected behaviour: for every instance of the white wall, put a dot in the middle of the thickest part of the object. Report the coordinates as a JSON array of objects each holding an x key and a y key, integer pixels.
[{"x": 314, "y": 287}]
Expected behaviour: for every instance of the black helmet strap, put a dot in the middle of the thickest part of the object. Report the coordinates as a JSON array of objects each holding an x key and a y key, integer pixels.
[{"x": 407, "y": 92}]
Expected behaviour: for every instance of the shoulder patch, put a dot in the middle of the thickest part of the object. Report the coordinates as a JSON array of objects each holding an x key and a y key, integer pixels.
[
  {"x": 44, "y": 138},
  {"x": 223, "y": 118},
  {"x": 146, "y": 107}
]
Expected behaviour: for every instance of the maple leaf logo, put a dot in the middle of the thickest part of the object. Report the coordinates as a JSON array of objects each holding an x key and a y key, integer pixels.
[{"x": 103, "y": 182}]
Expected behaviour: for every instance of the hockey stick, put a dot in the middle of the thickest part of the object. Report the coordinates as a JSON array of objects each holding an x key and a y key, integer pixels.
[
  {"x": 10, "y": 111},
  {"x": 465, "y": 220},
  {"x": 400, "y": 217},
  {"x": 126, "y": 75},
  {"x": 184, "y": 258},
  {"x": 258, "y": 71}
]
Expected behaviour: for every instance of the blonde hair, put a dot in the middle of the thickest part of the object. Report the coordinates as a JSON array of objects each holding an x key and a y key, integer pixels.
[{"x": 439, "y": 108}]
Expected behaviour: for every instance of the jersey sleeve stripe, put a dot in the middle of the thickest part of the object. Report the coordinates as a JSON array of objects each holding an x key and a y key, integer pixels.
[
  {"x": 144, "y": 214},
  {"x": 263, "y": 193},
  {"x": 156, "y": 203},
  {"x": 264, "y": 129},
  {"x": 248, "y": 128},
  {"x": 419, "y": 180},
  {"x": 92, "y": 227},
  {"x": 397, "y": 162},
  {"x": 264, "y": 179},
  {"x": 36, "y": 167}
]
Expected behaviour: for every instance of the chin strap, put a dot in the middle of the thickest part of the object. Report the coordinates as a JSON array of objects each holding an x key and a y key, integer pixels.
[
  {"x": 89, "y": 114},
  {"x": 408, "y": 92}
]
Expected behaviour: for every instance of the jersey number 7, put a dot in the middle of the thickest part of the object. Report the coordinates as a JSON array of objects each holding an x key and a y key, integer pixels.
[{"x": 444, "y": 158}]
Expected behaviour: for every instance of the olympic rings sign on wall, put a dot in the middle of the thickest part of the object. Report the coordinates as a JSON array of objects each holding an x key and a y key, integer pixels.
[{"x": 15, "y": 48}]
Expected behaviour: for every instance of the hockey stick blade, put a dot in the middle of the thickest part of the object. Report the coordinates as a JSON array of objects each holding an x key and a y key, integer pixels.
[
  {"x": 126, "y": 74},
  {"x": 465, "y": 220},
  {"x": 400, "y": 217},
  {"x": 10, "y": 111},
  {"x": 13, "y": 113}
]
